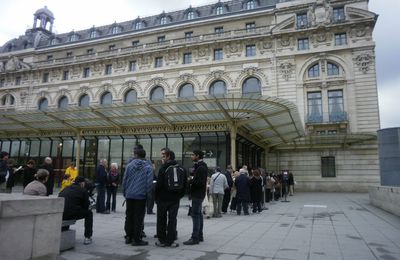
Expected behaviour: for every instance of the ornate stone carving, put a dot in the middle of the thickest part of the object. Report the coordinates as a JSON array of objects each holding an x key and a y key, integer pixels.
[
  {"x": 285, "y": 41},
  {"x": 286, "y": 69},
  {"x": 249, "y": 72},
  {"x": 364, "y": 62},
  {"x": 233, "y": 49},
  {"x": 217, "y": 75},
  {"x": 131, "y": 84},
  {"x": 158, "y": 82},
  {"x": 14, "y": 64},
  {"x": 311, "y": 15}
]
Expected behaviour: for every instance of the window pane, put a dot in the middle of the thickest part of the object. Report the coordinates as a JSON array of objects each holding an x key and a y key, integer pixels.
[
  {"x": 103, "y": 149},
  {"x": 314, "y": 100},
  {"x": 106, "y": 98},
  {"x": 328, "y": 168},
  {"x": 67, "y": 148},
  {"x": 35, "y": 145},
  {"x": 157, "y": 93},
  {"x": 84, "y": 101},
  {"x": 175, "y": 144},
  {"x": 218, "y": 88},
  {"x": 43, "y": 104},
  {"x": 186, "y": 90},
  {"x": 14, "y": 149},
  {"x": 251, "y": 85},
  {"x": 313, "y": 71},
  {"x": 131, "y": 96},
  {"x": 116, "y": 152},
  {"x": 332, "y": 69},
  {"x": 45, "y": 148},
  {"x": 63, "y": 103},
  {"x": 336, "y": 107}
]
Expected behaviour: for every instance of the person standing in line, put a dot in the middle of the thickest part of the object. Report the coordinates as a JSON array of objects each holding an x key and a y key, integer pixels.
[
  {"x": 101, "y": 181},
  {"x": 137, "y": 183},
  {"x": 291, "y": 184},
  {"x": 151, "y": 195},
  {"x": 10, "y": 181},
  {"x": 47, "y": 165},
  {"x": 218, "y": 185},
  {"x": 227, "y": 192},
  {"x": 256, "y": 190},
  {"x": 198, "y": 186},
  {"x": 38, "y": 187},
  {"x": 242, "y": 184},
  {"x": 112, "y": 186},
  {"x": 168, "y": 199},
  {"x": 29, "y": 173},
  {"x": 76, "y": 206},
  {"x": 4, "y": 171},
  {"x": 69, "y": 176}
]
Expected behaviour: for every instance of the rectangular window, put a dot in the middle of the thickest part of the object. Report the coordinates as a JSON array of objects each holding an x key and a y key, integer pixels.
[
  {"x": 250, "y": 27},
  {"x": 188, "y": 35},
  {"x": 135, "y": 43},
  {"x": 89, "y": 51},
  {"x": 18, "y": 81},
  {"x": 187, "y": 58},
  {"x": 158, "y": 62},
  {"x": 340, "y": 39},
  {"x": 328, "y": 168},
  {"x": 111, "y": 47},
  {"x": 49, "y": 57},
  {"x": 2, "y": 81},
  {"x": 218, "y": 54},
  {"x": 336, "y": 106},
  {"x": 302, "y": 44},
  {"x": 250, "y": 50},
  {"x": 219, "y": 30},
  {"x": 108, "y": 70},
  {"x": 314, "y": 103},
  {"x": 161, "y": 39},
  {"x": 338, "y": 14},
  {"x": 132, "y": 65},
  {"x": 301, "y": 20},
  {"x": 69, "y": 54},
  {"x": 65, "y": 75},
  {"x": 45, "y": 77},
  {"x": 86, "y": 72}
]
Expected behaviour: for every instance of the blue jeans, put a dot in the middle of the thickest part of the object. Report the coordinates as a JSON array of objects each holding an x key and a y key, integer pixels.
[
  {"x": 197, "y": 217},
  {"x": 101, "y": 198}
]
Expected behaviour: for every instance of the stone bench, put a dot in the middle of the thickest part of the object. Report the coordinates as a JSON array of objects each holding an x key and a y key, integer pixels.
[
  {"x": 68, "y": 236},
  {"x": 33, "y": 223}
]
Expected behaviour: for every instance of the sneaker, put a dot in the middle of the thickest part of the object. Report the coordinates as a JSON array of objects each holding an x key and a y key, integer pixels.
[
  {"x": 140, "y": 243},
  {"x": 191, "y": 242},
  {"x": 87, "y": 241},
  {"x": 174, "y": 245},
  {"x": 160, "y": 244}
]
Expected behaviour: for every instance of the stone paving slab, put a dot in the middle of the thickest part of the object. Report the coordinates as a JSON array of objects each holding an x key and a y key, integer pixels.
[{"x": 310, "y": 226}]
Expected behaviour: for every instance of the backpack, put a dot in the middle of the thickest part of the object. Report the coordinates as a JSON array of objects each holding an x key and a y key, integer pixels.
[{"x": 175, "y": 177}]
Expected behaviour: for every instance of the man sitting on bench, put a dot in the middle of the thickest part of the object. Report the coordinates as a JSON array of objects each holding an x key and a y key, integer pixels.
[{"x": 76, "y": 206}]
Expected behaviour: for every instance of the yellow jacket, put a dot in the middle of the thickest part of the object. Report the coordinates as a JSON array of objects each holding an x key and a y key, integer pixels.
[{"x": 72, "y": 173}]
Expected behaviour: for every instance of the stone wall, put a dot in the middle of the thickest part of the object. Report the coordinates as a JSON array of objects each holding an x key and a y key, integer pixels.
[
  {"x": 30, "y": 226},
  {"x": 385, "y": 197}
]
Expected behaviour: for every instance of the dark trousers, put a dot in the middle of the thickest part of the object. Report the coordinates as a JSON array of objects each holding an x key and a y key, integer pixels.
[
  {"x": 225, "y": 201},
  {"x": 267, "y": 195},
  {"x": 166, "y": 232},
  {"x": 135, "y": 210},
  {"x": 197, "y": 218},
  {"x": 82, "y": 214},
  {"x": 150, "y": 201},
  {"x": 101, "y": 198},
  {"x": 256, "y": 206},
  {"x": 111, "y": 194},
  {"x": 242, "y": 203}
]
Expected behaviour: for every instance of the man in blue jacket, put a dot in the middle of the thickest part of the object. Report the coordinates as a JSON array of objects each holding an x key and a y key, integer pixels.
[
  {"x": 137, "y": 183},
  {"x": 101, "y": 181}
]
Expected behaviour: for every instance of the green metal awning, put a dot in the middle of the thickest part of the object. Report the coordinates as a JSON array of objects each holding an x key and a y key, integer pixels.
[{"x": 267, "y": 120}]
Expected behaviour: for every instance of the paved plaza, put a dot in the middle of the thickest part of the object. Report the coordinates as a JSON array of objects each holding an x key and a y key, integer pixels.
[{"x": 310, "y": 226}]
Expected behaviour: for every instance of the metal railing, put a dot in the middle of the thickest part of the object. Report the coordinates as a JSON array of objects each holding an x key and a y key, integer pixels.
[{"x": 336, "y": 117}]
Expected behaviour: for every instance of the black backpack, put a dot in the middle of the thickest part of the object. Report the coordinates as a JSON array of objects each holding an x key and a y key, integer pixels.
[{"x": 175, "y": 177}]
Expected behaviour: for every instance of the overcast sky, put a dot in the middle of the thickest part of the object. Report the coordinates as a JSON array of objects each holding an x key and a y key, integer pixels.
[{"x": 17, "y": 15}]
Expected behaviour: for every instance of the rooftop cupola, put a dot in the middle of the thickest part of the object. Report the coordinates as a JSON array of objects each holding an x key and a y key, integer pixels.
[{"x": 45, "y": 17}]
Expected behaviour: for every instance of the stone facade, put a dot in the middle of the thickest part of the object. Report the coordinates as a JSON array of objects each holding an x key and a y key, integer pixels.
[{"x": 276, "y": 42}]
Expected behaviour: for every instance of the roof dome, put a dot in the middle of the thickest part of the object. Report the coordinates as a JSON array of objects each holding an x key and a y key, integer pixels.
[{"x": 45, "y": 11}]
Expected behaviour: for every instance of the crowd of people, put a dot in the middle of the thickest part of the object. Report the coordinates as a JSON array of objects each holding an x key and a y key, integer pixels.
[{"x": 210, "y": 194}]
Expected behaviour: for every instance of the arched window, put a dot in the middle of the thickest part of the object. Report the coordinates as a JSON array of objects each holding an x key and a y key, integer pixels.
[
  {"x": 93, "y": 34},
  {"x": 43, "y": 104},
  {"x": 63, "y": 102},
  {"x": 8, "y": 100},
  {"x": 313, "y": 72},
  {"x": 53, "y": 41},
  {"x": 332, "y": 69},
  {"x": 186, "y": 90},
  {"x": 163, "y": 20},
  {"x": 11, "y": 100},
  {"x": 130, "y": 96},
  {"x": 219, "y": 10},
  {"x": 250, "y": 5},
  {"x": 73, "y": 38},
  {"x": 115, "y": 29},
  {"x": 138, "y": 25},
  {"x": 218, "y": 88},
  {"x": 157, "y": 93},
  {"x": 190, "y": 15},
  {"x": 106, "y": 98},
  {"x": 84, "y": 100},
  {"x": 4, "y": 100},
  {"x": 251, "y": 85}
]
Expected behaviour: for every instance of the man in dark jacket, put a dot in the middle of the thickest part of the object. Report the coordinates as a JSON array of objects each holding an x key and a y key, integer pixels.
[
  {"x": 4, "y": 171},
  {"x": 76, "y": 206},
  {"x": 101, "y": 181},
  {"x": 47, "y": 165},
  {"x": 242, "y": 183},
  {"x": 198, "y": 186},
  {"x": 227, "y": 193},
  {"x": 167, "y": 203}
]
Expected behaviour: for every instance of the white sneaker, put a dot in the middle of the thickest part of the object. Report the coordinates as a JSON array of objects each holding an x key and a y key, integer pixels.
[{"x": 87, "y": 241}]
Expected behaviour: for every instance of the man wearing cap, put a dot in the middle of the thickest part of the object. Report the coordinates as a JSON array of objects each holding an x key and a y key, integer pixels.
[
  {"x": 76, "y": 206},
  {"x": 198, "y": 185}
]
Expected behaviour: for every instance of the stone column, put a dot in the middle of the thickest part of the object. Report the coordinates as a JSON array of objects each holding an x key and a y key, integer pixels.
[
  {"x": 78, "y": 150},
  {"x": 233, "y": 146}
]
